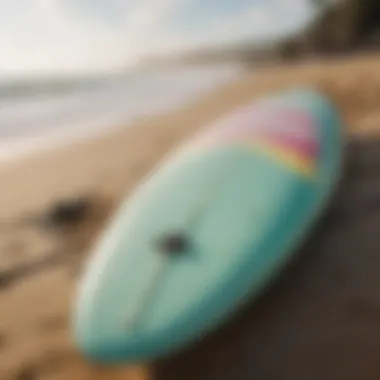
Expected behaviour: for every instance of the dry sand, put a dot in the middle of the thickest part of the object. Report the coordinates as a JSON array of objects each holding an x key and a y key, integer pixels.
[{"x": 34, "y": 311}]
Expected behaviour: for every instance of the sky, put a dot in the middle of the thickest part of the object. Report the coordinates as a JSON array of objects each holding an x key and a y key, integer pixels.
[{"x": 59, "y": 36}]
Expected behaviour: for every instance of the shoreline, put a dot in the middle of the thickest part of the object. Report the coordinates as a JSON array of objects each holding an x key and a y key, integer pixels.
[
  {"x": 33, "y": 123},
  {"x": 15, "y": 149},
  {"x": 242, "y": 81}
]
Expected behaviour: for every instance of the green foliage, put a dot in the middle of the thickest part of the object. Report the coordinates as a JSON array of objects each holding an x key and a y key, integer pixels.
[{"x": 343, "y": 26}]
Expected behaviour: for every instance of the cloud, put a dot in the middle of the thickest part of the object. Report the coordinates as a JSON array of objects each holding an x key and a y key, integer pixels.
[
  {"x": 44, "y": 38},
  {"x": 150, "y": 14},
  {"x": 260, "y": 20},
  {"x": 64, "y": 35},
  {"x": 147, "y": 22}
]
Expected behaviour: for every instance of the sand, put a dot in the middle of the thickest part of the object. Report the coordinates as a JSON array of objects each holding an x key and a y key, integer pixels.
[{"x": 34, "y": 335}]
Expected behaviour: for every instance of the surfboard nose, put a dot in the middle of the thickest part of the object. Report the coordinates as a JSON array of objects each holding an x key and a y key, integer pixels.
[
  {"x": 97, "y": 324},
  {"x": 87, "y": 340},
  {"x": 88, "y": 347},
  {"x": 95, "y": 342}
]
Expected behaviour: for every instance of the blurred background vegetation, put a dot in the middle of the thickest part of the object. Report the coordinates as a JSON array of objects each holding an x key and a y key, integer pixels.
[{"x": 340, "y": 27}]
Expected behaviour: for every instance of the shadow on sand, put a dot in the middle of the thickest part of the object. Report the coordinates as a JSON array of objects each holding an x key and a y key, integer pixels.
[{"x": 321, "y": 320}]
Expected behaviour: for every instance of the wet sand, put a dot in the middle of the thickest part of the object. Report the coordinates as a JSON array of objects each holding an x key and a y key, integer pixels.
[{"x": 318, "y": 322}]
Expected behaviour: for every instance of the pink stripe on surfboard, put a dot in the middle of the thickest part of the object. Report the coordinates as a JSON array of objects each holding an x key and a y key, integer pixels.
[{"x": 292, "y": 128}]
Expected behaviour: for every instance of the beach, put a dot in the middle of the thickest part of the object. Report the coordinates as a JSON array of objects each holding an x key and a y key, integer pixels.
[
  {"x": 48, "y": 112},
  {"x": 35, "y": 310}
]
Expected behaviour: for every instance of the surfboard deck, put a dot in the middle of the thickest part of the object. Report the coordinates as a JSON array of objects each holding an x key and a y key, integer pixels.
[{"x": 209, "y": 228}]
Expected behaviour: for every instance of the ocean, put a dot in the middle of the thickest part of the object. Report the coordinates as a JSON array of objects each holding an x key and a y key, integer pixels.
[{"x": 42, "y": 114}]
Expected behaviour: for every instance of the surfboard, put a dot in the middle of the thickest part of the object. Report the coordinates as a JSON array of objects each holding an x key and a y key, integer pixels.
[{"x": 211, "y": 227}]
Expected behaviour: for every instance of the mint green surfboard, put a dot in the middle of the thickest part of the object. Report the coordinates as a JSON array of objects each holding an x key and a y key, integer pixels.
[{"x": 208, "y": 229}]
